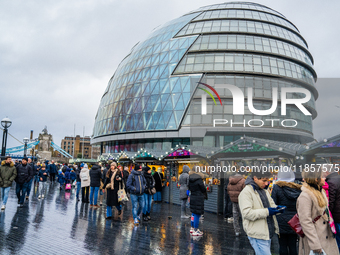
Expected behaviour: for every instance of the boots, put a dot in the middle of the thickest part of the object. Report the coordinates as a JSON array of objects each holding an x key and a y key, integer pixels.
[
  {"x": 184, "y": 216},
  {"x": 148, "y": 216},
  {"x": 145, "y": 218}
]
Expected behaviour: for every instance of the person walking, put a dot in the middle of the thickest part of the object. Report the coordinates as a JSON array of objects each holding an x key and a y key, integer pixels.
[
  {"x": 234, "y": 188},
  {"x": 125, "y": 175},
  {"x": 112, "y": 183},
  {"x": 52, "y": 171},
  {"x": 85, "y": 183},
  {"x": 43, "y": 174},
  {"x": 158, "y": 176},
  {"x": 24, "y": 175},
  {"x": 78, "y": 169},
  {"x": 95, "y": 176},
  {"x": 8, "y": 173},
  {"x": 37, "y": 168},
  {"x": 285, "y": 192},
  {"x": 184, "y": 182},
  {"x": 29, "y": 187},
  {"x": 197, "y": 195},
  {"x": 258, "y": 212},
  {"x": 315, "y": 220},
  {"x": 228, "y": 208},
  {"x": 73, "y": 175},
  {"x": 61, "y": 179},
  {"x": 150, "y": 184},
  {"x": 333, "y": 181},
  {"x": 136, "y": 185},
  {"x": 68, "y": 175}
]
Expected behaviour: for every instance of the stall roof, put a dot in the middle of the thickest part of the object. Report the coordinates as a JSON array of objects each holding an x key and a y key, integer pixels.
[
  {"x": 327, "y": 146},
  {"x": 264, "y": 145}
]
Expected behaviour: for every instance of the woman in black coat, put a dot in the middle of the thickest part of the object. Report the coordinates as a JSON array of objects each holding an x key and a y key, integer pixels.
[
  {"x": 286, "y": 192},
  {"x": 158, "y": 176},
  {"x": 113, "y": 176},
  {"x": 198, "y": 192}
]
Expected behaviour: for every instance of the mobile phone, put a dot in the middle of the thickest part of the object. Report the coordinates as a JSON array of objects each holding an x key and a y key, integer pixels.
[{"x": 282, "y": 208}]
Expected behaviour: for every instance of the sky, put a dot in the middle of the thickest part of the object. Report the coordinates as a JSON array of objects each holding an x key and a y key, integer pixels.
[{"x": 56, "y": 57}]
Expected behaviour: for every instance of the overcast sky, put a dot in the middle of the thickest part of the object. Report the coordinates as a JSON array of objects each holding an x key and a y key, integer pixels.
[{"x": 56, "y": 57}]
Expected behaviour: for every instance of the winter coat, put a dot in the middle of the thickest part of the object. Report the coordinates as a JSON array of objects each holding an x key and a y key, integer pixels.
[
  {"x": 235, "y": 186},
  {"x": 61, "y": 178},
  {"x": 158, "y": 181},
  {"x": 136, "y": 183},
  {"x": 8, "y": 173},
  {"x": 112, "y": 194},
  {"x": 52, "y": 169},
  {"x": 286, "y": 194},
  {"x": 24, "y": 173},
  {"x": 184, "y": 182},
  {"x": 150, "y": 183},
  {"x": 318, "y": 235},
  {"x": 198, "y": 191},
  {"x": 67, "y": 174},
  {"x": 63, "y": 169},
  {"x": 85, "y": 171},
  {"x": 95, "y": 176},
  {"x": 73, "y": 175},
  {"x": 333, "y": 181},
  {"x": 41, "y": 175},
  {"x": 36, "y": 169},
  {"x": 254, "y": 214}
]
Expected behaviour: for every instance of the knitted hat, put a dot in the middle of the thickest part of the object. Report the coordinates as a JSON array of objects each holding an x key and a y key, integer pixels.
[
  {"x": 286, "y": 174},
  {"x": 137, "y": 167},
  {"x": 25, "y": 158},
  {"x": 146, "y": 168}
]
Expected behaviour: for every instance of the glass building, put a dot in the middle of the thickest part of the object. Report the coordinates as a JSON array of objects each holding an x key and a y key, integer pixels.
[{"x": 154, "y": 99}]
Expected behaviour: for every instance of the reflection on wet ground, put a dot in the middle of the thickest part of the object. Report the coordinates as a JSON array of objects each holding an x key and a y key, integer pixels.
[{"x": 58, "y": 224}]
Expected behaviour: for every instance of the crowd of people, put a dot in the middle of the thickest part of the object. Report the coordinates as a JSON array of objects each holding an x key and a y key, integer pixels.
[{"x": 310, "y": 201}]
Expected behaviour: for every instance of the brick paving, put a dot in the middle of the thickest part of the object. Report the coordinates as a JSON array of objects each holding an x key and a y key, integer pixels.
[{"x": 58, "y": 224}]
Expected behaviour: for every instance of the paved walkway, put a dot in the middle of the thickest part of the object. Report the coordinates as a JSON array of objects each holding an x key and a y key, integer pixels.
[{"x": 59, "y": 224}]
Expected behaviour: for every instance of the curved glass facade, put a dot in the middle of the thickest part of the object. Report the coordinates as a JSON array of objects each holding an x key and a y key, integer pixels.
[{"x": 155, "y": 91}]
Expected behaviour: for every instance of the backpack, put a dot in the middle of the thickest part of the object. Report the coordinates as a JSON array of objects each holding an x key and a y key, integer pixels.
[{"x": 84, "y": 176}]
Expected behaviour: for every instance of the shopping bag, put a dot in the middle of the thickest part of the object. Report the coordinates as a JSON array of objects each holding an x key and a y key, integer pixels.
[
  {"x": 68, "y": 186},
  {"x": 122, "y": 197}
]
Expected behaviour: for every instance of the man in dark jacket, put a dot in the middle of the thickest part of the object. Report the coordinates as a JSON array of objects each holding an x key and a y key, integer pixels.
[
  {"x": 95, "y": 177},
  {"x": 52, "y": 171},
  {"x": 136, "y": 185},
  {"x": 28, "y": 190},
  {"x": 24, "y": 175},
  {"x": 78, "y": 169},
  {"x": 158, "y": 176},
  {"x": 235, "y": 186},
  {"x": 8, "y": 172},
  {"x": 333, "y": 180},
  {"x": 228, "y": 209}
]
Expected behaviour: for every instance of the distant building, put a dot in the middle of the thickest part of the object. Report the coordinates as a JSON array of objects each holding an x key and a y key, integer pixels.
[{"x": 79, "y": 145}]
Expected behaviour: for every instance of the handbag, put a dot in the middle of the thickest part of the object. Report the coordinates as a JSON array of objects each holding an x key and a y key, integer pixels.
[
  {"x": 152, "y": 191},
  {"x": 122, "y": 197},
  {"x": 294, "y": 223}
]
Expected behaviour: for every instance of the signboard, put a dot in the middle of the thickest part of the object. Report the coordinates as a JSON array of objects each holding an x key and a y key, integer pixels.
[
  {"x": 180, "y": 153},
  {"x": 246, "y": 147}
]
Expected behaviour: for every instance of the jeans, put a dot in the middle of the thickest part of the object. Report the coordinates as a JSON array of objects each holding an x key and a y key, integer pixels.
[
  {"x": 288, "y": 244},
  {"x": 261, "y": 247},
  {"x": 109, "y": 210},
  {"x": 36, "y": 178},
  {"x": 195, "y": 220},
  {"x": 337, "y": 235},
  {"x": 42, "y": 188},
  {"x": 28, "y": 190},
  {"x": 78, "y": 189},
  {"x": 147, "y": 203},
  {"x": 236, "y": 216},
  {"x": 158, "y": 196},
  {"x": 4, "y": 194},
  {"x": 94, "y": 190},
  {"x": 137, "y": 200},
  {"x": 21, "y": 191}
]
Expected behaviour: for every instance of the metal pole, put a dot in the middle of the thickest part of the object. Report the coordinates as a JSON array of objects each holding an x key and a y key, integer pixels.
[
  {"x": 74, "y": 139},
  {"x": 25, "y": 149},
  {"x": 83, "y": 141},
  {"x": 4, "y": 143}
]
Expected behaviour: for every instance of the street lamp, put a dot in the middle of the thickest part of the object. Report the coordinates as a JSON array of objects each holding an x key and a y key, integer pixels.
[
  {"x": 6, "y": 123},
  {"x": 26, "y": 140}
]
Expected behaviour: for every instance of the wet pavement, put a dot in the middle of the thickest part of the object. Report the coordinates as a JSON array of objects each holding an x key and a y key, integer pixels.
[{"x": 58, "y": 224}]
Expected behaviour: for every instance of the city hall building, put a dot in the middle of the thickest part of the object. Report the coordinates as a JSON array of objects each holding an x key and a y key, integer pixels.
[{"x": 170, "y": 89}]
